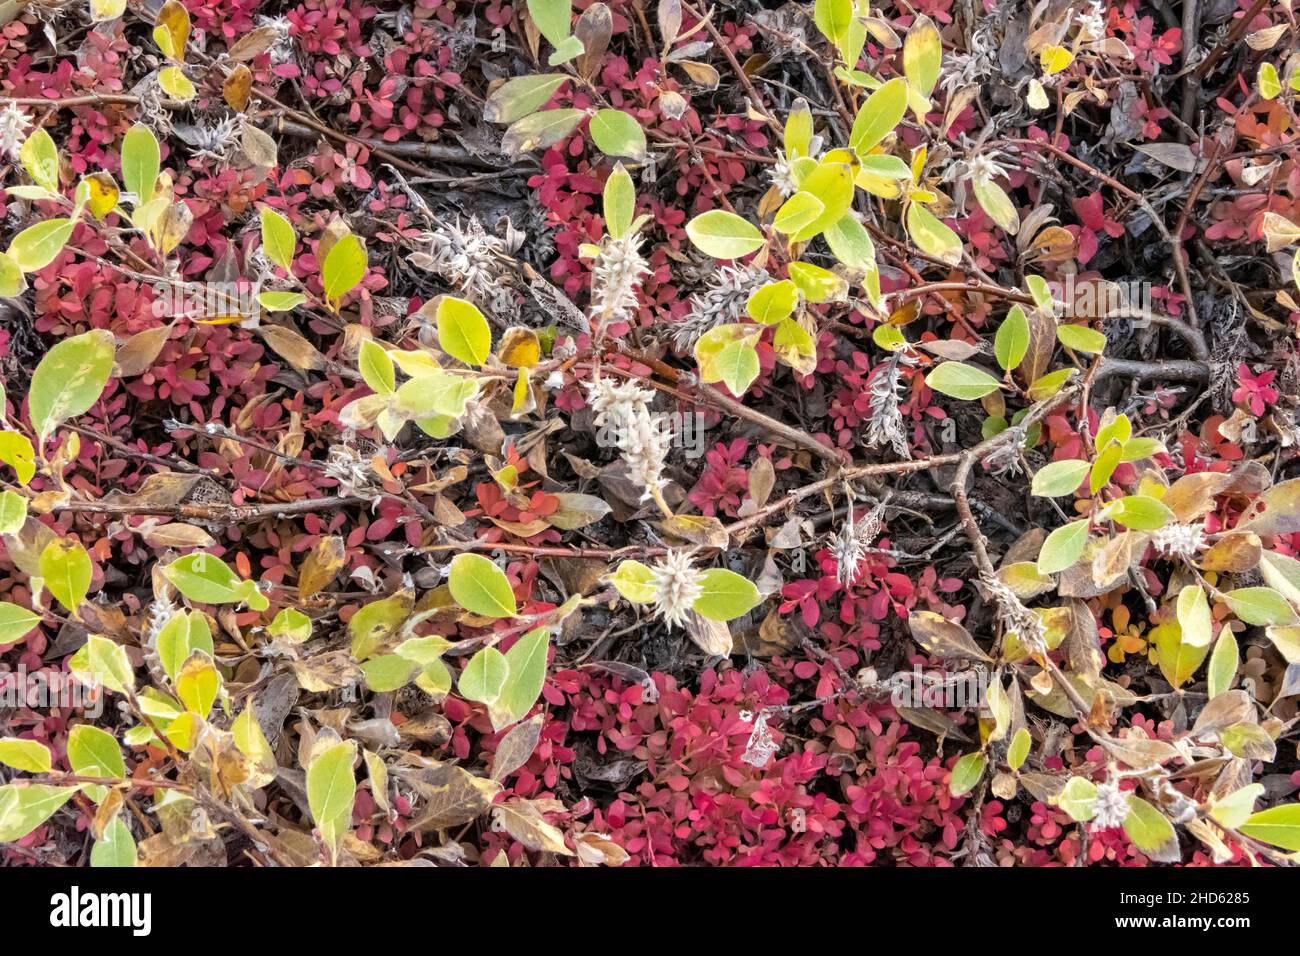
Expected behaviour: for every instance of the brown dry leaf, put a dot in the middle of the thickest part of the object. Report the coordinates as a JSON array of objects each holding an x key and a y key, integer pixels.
[
  {"x": 138, "y": 353},
  {"x": 1228, "y": 708},
  {"x": 252, "y": 45},
  {"x": 595, "y": 849},
  {"x": 578, "y": 510},
  {"x": 259, "y": 149},
  {"x": 1236, "y": 552},
  {"x": 1192, "y": 496},
  {"x": 1280, "y": 513},
  {"x": 703, "y": 530},
  {"x": 328, "y": 671},
  {"x": 594, "y": 28},
  {"x": 106, "y": 812},
  {"x": 516, "y": 747},
  {"x": 1118, "y": 556},
  {"x": 1053, "y": 244},
  {"x": 935, "y": 721},
  {"x": 449, "y": 797},
  {"x": 943, "y": 638},
  {"x": 166, "y": 490},
  {"x": 762, "y": 478},
  {"x": 238, "y": 87},
  {"x": 712, "y": 637},
  {"x": 523, "y": 820},
  {"x": 177, "y": 534},
  {"x": 292, "y": 347},
  {"x": 320, "y": 566}
]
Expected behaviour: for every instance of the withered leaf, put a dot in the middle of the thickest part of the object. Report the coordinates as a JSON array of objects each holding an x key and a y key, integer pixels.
[
  {"x": 320, "y": 566},
  {"x": 449, "y": 797},
  {"x": 138, "y": 353},
  {"x": 523, "y": 820},
  {"x": 943, "y": 638},
  {"x": 292, "y": 347},
  {"x": 516, "y": 747}
]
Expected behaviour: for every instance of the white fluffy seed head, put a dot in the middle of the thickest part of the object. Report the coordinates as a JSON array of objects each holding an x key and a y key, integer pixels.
[
  {"x": 1179, "y": 540},
  {"x": 1111, "y": 807},
  {"x": 677, "y": 586},
  {"x": 13, "y": 130}
]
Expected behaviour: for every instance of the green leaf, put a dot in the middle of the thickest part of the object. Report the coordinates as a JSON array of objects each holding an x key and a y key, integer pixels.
[
  {"x": 37, "y": 246},
  {"x": 1223, "y": 663},
  {"x": 568, "y": 48},
  {"x": 833, "y": 19},
  {"x": 1267, "y": 82},
  {"x": 832, "y": 184},
  {"x": 1104, "y": 467},
  {"x": 1260, "y": 606},
  {"x": 30, "y": 756},
  {"x": 1012, "y": 341},
  {"x": 797, "y": 212},
  {"x": 735, "y": 365},
  {"x": 879, "y": 115},
  {"x": 183, "y": 634},
  {"x": 634, "y": 581},
  {"x": 198, "y": 684},
  {"x": 552, "y": 18},
  {"x": 620, "y": 202},
  {"x": 331, "y": 790},
  {"x": 958, "y": 380},
  {"x": 1059, "y": 478},
  {"x": 69, "y": 380},
  {"x": 1078, "y": 799},
  {"x": 484, "y": 676},
  {"x": 480, "y": 587},
  {"x": 103, "y": 662},
  {"x": 67, "y": 570},
  {"x": 1018, "y": 749},
  {"x": 1150, "y": 831},
  {"x": 141, "y": 162},
  {"x": 278, "y": 239},
  {"x": 526, "y": 673},
  {"x": 1278, "y": 826},
  {"x": 25, "y": 807},
  {"x": 15, "y": 622},
  {"x": 773, "y": 302},
  {"x": 724, "y": 235},
  {"x": 40, "y": 157},
  {"x": 966, "y": 772},
  {"x": 994, "y": 200},
  {"x": 280, "y": 301},
  {"x": 95, "y": 753},
  {"x": 377, "y": 621},
  {"x": 932, "y": 236},
  {"x": 1063, "y": 547},
  {"x": 1235, "y": 809},
  {"x": 12, "y": 282},
  {"x": 376, "y": 368},
  {"x": 1194, "y": 616},
  {"x": 17, "y": 452},
  {"x": 1080, "y": 338},
  {"x": 725, "y": 595},
  {"x": 388, "y": 672},
  {"x": 1048, "y": 385},
  {"x": 116, "y": 848},
  {"x": 344, "y": 268},
  {"x": 463, "y": 332},
  {"x": 436, "y": 394},
  {"x": 852, "y": 245},
  {"x": 522, "y": 96},
  {"x": 1140, "y": 513},
  {"x": 206, "y": 578},
  {"x": 616, "y": 133},
  {"x": 922, "y": 55},
  {"x": 291, "y": 624},
  {"x": 423, "y": 650}
]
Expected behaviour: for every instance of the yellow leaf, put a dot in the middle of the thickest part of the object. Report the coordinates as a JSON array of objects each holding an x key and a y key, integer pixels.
[{"x": 172, "y": 30}]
